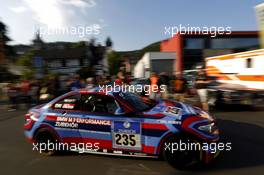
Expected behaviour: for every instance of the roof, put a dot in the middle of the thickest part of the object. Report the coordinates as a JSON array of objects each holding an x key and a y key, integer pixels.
[
  {"x": 233, "y": 34},
  {"x": 68, "y": 53},
  {"x": 240, "y": 54}
]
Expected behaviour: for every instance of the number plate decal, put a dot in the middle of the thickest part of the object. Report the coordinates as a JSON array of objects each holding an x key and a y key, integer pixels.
[{"x": 126, "y": 135}]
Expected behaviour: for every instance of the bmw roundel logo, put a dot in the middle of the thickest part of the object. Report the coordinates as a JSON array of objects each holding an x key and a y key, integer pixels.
[{"x": 126, "y": 124}]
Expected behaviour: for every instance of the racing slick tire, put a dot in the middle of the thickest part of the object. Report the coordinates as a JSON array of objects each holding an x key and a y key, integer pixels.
[
  {"x": 43, "y": 138},
  {"x": 179, "y": 159}
]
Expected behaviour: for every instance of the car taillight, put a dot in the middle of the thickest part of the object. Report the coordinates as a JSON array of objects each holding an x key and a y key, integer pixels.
[
  {"x": 27, "y": 117},
  {"x": 30, "y": 119}
]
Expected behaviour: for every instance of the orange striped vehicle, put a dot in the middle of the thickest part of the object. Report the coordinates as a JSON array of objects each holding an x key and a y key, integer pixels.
[{"x": 239, "y": 74}]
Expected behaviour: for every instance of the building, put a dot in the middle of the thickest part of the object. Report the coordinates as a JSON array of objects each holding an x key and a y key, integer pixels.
[
  {"x": 63, "y": 61},
  {"x": 191, "y": 49},
  {"x": 21, "y": 49},
  {"x": 157, "y": 62},
  {"x": 66, "y": 58},
  {"x": 260, "y": 19}
]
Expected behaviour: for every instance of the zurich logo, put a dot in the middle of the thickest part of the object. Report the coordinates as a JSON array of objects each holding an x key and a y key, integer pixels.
[{"x": 126, "y": 124}]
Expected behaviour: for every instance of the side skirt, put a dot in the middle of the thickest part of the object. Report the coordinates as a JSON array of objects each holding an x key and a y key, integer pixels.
[{"x": 116, "y": 153}]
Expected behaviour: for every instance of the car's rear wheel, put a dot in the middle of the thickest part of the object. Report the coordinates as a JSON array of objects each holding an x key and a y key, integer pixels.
[
  {"x": 45, "y": 142},
  {"x": 179, "y": 159}
]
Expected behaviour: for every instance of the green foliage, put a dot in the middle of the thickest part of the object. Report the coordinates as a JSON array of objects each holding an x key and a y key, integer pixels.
[
  {"x": 28, "y": 74},
  {"x": 114, "y": 62},
  {"x": 79, "y": 44},
  {"x": 154, "y": 47},
  {"x": 8, "y": 50},
  {"x": 26, "y": 59}
]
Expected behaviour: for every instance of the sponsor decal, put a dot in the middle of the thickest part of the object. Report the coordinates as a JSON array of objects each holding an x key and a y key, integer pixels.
[
  {"x": 84, "y": 120},
  {"x": 72, "y": 122},
  {"x": 174, "y": 111},
  {"x": 118, "y": 152},
  {"x": 126, "y": 124},
  {"x": 176, "y": 122}
]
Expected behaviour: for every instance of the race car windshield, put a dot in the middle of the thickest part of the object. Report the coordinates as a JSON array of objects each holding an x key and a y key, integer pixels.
[{"x": 135, "y": 101}]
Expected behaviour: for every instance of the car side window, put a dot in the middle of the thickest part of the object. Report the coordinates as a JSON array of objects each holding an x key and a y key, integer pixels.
[
  {"x": 99, "y": 103},
  {"x": 68, "y": 103}
]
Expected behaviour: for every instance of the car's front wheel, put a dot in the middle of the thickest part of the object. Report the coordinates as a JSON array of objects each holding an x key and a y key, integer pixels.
[{"x": 176, "y": 157}]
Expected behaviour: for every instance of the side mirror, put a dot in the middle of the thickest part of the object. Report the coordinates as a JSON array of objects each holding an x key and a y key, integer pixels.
[{"x": 119, "y": 111}]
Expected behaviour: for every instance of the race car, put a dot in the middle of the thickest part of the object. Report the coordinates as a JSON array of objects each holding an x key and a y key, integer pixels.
[{"x": 124, "y": 124}]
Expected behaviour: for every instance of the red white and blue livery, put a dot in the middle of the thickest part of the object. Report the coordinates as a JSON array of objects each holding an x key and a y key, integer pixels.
[{"x": 122, "y": 123}]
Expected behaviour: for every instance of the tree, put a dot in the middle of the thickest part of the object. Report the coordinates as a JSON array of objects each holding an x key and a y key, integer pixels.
[
  {"x": 108, "y": 42},
  {"x": 114, "y": 62},
  {"x": 8, "y": 50},
  {"x": 26, "y": 59}
]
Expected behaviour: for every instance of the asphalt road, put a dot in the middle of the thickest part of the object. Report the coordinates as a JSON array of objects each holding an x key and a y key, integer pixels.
[{"x": 245, "y": 129}]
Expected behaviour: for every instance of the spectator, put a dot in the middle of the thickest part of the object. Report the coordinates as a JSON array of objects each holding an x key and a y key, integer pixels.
[
  {"x": 201, "y": 86},
  {"x": 127, "y": 79},
  {"x": 12, "y": 93},
  {"x": 26, "y": 93},
  {"x": 90, "y": 83},
  {"x": 164, "y": 81},
  {"x": 76, "y": 84},
  {"x": 120, "y": 78},
  {"x": 154, "y": 88},
  {"x": 179, "y": 86}
]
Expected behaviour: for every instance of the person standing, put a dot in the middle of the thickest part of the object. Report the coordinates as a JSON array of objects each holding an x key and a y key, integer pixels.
[
  {"x": 76, "y": 84},
  {"x": 154, "y": 88},
  {"x": 90, "y": 83},
  {"x": 164, "y": 81},
  {"x": 201, "y": 87},
  {"x": 119, "y": 79},
  {"x": 179, "y": 87}
]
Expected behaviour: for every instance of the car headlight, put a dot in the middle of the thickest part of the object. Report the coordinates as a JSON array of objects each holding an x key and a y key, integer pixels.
[{"x": 209, "y": 128}]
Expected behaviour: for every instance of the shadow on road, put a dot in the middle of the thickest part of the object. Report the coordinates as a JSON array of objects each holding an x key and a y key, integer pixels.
[
  {"x": 247, "y": 146},
  {"x": 237, "y": 108}
]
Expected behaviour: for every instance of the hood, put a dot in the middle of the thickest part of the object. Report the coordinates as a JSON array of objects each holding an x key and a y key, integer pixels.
[{"x": 172, "y": 108}]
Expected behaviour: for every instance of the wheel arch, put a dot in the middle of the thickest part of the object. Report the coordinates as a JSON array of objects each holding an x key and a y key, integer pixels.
[
  {"x": 164, "y": 139},
  {"x": 49, "y": 129}
]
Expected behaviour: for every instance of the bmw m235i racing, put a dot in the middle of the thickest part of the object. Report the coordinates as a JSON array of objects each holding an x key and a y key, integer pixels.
[{"x": 122, "y": 123}]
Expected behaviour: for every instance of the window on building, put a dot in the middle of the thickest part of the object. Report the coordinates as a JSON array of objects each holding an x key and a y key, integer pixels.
[
  {"x": 194, "y": 43},
  {"x": 232, "y": 43}
]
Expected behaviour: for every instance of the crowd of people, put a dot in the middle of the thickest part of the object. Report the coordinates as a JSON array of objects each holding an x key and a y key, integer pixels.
[{"x": 34, "y": 92}]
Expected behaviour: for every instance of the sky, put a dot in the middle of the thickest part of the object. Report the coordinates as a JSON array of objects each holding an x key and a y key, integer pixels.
[{"x": 131, "y": 24}]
